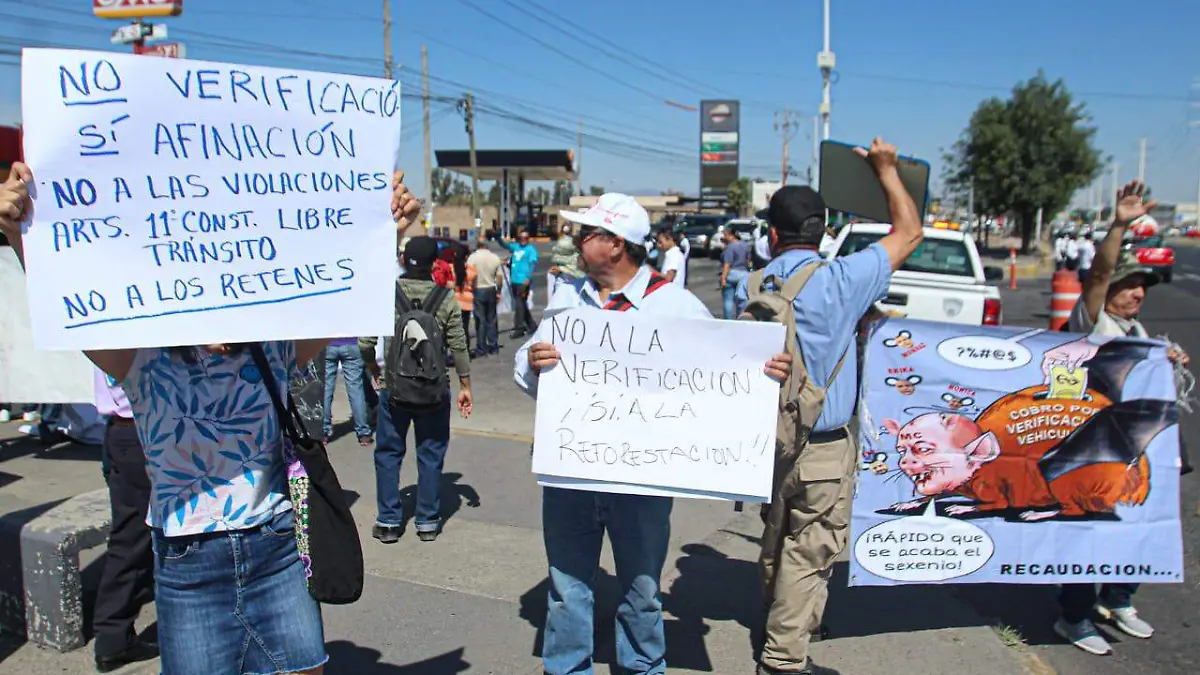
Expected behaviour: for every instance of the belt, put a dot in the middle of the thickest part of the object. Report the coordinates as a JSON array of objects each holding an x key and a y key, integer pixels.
[
  {"x": 118, "y": 421},
  {"x": 830, "y": 436}
]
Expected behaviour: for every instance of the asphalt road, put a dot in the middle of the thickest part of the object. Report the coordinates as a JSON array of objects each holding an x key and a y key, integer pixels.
[{"x": 1173, "y": 609}]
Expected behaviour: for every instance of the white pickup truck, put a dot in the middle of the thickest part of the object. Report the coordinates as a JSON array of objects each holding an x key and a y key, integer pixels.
[{"x": 943, "y": 280}]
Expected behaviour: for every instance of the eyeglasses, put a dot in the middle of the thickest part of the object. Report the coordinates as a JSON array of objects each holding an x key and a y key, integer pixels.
[{"x": 586, "y": 233}]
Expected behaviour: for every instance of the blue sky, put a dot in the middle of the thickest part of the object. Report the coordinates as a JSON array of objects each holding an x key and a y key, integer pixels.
[{"x": 912, "y": 71}]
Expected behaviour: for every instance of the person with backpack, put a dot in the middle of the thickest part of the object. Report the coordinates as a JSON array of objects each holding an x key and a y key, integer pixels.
[
  {"x": 611, "y": 238},
  {"x": 808, "y": 519},
  {"x": 417, "y": 393}
]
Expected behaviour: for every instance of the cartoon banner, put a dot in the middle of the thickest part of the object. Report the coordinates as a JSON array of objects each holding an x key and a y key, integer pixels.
[{"x": 1009, "y": 455}]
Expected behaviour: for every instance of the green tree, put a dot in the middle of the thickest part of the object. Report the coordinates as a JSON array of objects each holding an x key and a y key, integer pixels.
[
  {"x": 1031, "y": 151},
  {"x": 562, "y": 192},
  {"x": 493, "y": 195},
  {"x": 440, "y": 189},
  {"x": 596, "y": 190},
  {"x": 737, "y": 198}
]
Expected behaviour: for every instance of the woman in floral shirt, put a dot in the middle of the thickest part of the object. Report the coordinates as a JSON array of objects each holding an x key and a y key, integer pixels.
[{"x": 231, "y": 593}]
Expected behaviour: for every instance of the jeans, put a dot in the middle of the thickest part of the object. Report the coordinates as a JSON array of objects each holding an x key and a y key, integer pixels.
[
  {"x": 639, "y": 527},
  {"x": 127, "y": 581},
  {"x": 1077, "y": 600},
  {"x": 236, "y": 602},
  {"x": 351, "y": 360},
  {"x": 432, "y": 431},
  {"x": 487, "y": 331},
  {"x": 522, "y": 317},
  {"x": 729, "y": 292}
]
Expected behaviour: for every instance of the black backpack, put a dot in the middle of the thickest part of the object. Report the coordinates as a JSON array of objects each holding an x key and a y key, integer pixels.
[{"x": 415, "y": 364}]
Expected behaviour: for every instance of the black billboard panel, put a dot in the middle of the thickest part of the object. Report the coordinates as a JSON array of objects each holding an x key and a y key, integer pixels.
[{"x": 720, "y": 122}]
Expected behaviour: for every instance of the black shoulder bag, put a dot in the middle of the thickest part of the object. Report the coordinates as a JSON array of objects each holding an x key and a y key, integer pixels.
[{"x": 326, "y": 534}]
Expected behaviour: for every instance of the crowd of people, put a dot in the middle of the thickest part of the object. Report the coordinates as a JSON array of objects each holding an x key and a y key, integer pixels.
[{"x": 203, "y": 523}]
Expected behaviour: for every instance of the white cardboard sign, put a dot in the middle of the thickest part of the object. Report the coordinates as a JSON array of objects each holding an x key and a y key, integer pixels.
[
  {"x": 187, "y": 202},
  {"x": 28, "y": 376},
  {"x": 660, "y": 402}
]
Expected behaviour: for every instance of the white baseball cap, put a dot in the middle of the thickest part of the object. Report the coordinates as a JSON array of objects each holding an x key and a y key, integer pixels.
[{"x": 617, "y": 213}]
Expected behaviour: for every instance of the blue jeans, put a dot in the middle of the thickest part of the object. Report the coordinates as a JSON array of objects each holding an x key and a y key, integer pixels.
[
  {"x": 487, "y": 330},
  {"x": 432, "y": 431},
  {"x": 351, "y": 360},
  {"x": 639, "y": 527},
  {"x": 730, "y": 290},
  {"x": 236, "y": 602}
]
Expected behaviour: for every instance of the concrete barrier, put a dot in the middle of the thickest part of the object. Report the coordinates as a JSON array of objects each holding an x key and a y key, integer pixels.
[{"x": 47, "y": 585}]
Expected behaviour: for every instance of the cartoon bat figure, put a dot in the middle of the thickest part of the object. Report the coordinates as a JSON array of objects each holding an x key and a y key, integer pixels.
[
  {"x": 906, "y": 386},
  {"x": 903, "y": 340},
  {"x": 1102, "y": 463},
  {"x": 955, "y": 403}
]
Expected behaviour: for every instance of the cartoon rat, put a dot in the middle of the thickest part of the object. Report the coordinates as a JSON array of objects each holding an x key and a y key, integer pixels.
[
  {"x": 1101, "y": 463},
  {"x": 955, "y": 403},
  {"x": 903, "y": 340},
  {"x": 906, "y": 386}
]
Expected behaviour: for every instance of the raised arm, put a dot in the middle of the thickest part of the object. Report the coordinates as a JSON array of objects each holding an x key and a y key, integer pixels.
[
  {"x": 1131, "y": 205},
  {"x": 907, "y": 231}
]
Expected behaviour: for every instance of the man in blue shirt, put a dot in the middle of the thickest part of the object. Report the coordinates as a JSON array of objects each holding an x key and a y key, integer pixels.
[
  {"x": 809, "y": 517},
  {"x": 524, "y": 259}
]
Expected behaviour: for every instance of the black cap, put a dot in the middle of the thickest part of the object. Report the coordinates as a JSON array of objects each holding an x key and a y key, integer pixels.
[
  {"x": 797, "y": 213},
  {"x": 420, "y": 252}
]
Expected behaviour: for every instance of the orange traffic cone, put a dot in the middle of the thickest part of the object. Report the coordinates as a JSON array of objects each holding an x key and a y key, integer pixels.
[{"x": 1065, "y": 290}]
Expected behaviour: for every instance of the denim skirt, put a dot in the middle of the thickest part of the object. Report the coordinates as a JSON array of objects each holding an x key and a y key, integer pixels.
[{"x": 236, "y": 602}]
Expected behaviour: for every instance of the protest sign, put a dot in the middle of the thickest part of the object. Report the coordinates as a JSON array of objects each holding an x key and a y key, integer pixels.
[
  {"x": 656, "y": 401},
  {"x": 186, "y": 202},
  {"x": 27, "y": 375},
  {"x": 1014, "y": 456}
]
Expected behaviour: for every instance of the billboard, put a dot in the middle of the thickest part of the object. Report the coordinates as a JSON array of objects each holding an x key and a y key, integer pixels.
[
  {"x": 720, "y": 122},
  {"x": 131, "y": 9}
]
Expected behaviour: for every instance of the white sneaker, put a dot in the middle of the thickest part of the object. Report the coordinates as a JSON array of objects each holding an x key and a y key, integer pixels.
[
  {"x": 1127, "y": 619},
  {"x": 5, "y": 415},
  {"x": 1083, "y": 635},
  {"x": 30, "y": 417}
]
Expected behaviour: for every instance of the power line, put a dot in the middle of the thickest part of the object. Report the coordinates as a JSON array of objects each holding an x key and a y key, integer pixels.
[{"x": 565, "y": 55}]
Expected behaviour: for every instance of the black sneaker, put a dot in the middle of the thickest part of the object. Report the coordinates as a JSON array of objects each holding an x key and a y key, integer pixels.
[
  {"x": 430, "y": 535},
  {"x": 387, "y": 534},
  {"x": 138, "y": 651}
]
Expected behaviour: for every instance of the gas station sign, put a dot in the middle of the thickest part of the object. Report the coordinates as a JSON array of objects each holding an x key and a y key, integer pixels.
[
  {"x": 719, "y": 140},
  {"x": 133, "y": 9}
]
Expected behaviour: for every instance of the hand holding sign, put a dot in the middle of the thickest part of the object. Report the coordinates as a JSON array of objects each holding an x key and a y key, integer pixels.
[
  {"x": 15, "y": 203},
  {"x": 882, "y": 156}
]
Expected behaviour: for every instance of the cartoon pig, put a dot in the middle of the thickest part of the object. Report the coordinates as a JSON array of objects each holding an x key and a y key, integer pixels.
[{"x": 941, "y": 452}]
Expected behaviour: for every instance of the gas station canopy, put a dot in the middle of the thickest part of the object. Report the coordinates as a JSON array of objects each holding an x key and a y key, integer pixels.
[{"x": 525, "y": 164}]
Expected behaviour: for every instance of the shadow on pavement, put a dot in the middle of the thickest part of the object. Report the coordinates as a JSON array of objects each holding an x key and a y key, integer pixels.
[
  {"x": 68, "y": 450},
  {"x": 350, "y": 659},
  {"x": 453, "y": 495}
]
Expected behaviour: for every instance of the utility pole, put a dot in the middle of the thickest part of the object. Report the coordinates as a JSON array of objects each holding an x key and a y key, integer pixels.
[
  {"x": 467, "y": 106},
  {"x": 1142, "y": 160},
  {"x": 579, "y": 161},
  {"x": 1116, "y": 168},
  {"x": 787, "y": 124},
  {"x": 814, "y": 170},
  {"x": 826, "y": 62},
  {"x": 387, "y": 39},
  {"x": 428, "y": 152}
]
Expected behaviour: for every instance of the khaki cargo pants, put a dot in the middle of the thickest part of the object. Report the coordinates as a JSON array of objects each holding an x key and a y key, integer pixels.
[{"x": 807, "y": 526}]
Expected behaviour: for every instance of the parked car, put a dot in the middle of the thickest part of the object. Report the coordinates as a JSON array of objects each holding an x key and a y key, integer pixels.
[
  {"x": 1152, "y": 253},
  {"x": 700, "y": 230},
  {"x": 943, "y": 280}
]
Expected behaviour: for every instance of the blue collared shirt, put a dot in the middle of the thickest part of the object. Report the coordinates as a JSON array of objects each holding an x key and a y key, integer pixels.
[
  {"x": 827, "y": 314},
  {"x": 668, "y": 300}
]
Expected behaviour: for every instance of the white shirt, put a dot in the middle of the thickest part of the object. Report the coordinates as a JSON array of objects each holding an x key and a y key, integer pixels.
[
  {"x": 673, "y": 262},
  {"x": 669, "y": 300},
  {"x": 1087, "y": 252},
  {"x": 686, "y": 247},
  {"x": 1060, "y": 249},
  {"x": 762, "y": 247},
  {"x": 1072, "y": 249}
]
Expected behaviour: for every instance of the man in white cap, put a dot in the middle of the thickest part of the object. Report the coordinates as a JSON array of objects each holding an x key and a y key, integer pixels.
[{"x": 611, "y": 239}]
